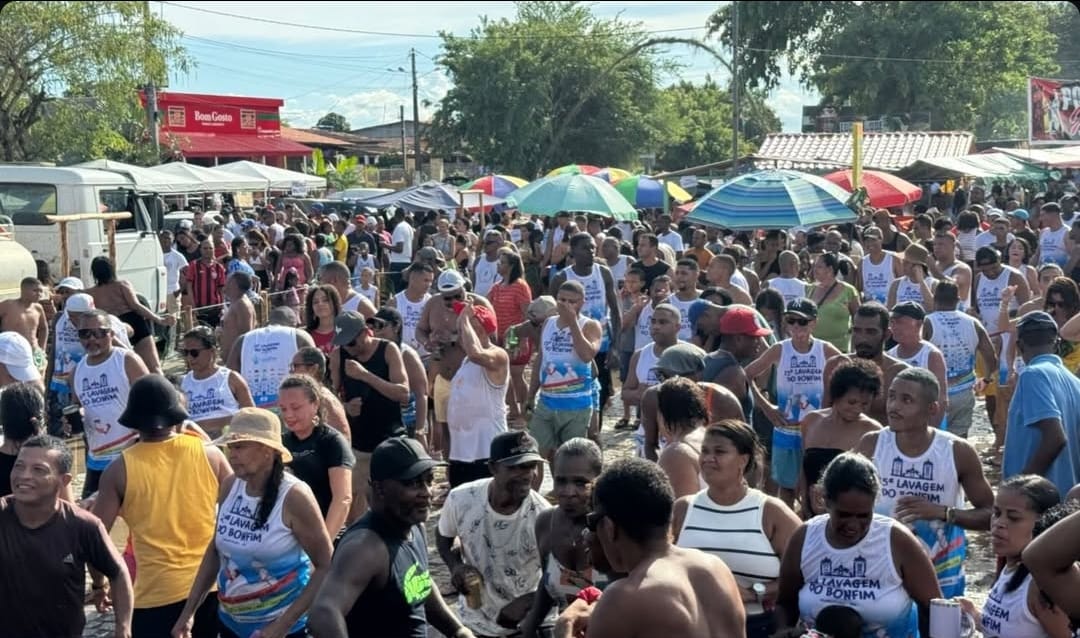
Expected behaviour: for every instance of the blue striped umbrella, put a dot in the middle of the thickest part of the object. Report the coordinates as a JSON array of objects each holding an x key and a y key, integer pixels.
[{"x": 773, "y": 199}]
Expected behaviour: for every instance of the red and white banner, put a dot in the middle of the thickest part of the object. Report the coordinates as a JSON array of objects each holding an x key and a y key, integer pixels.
[{"x": 1053, "y": 111}]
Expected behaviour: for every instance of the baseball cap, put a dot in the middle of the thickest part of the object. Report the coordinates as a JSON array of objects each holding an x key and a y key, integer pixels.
[
  {"x": 429, "y": 253},
  {"x": 1020, "y": 213},
  {"x": 912, "y": 309},
  {"x": 698, "y": 308},
  {"x": 400, "y": 459},
  {"x": 741, "y": 320},
  {"x": 542, "y": 307},
  {"x": 803, "y": 307},
  {"x": 333, "y": 217},
  {"x": 450, "y": 281},
  {"x": 1037, "y": 321},
  {"x": 681, "y": 359},
  {"x": 79, "y": 302},
  {"x": 18, "y": 357},
  {"x": 515, "y": 448},
  {"x": 390, "y": 315},
  {"x": 347, "y": 327},
  {"x": 186, "y": 224},
  {"x": 71, "y": 283}
]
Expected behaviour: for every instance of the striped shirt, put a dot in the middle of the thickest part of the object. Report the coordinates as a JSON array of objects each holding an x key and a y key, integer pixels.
[
  {"x": 506, "y": 300},
  {"x": 734, "y": 534},
  {"x": 206, "y": 281}
]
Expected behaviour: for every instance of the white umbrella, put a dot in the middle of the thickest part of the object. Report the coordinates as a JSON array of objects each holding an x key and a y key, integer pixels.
[
  {"x": 147, "y": 179},
  {"x": 278, "y": 178},
  {"x": 212, "y": 179}
]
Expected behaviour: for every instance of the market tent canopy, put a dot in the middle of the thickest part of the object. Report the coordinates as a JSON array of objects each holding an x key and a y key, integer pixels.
[
  {"x": 278, "y": 178},
  {"x": 430, "y": 196},
  {"x": 147, "y": 179},
  {"x": 212, "y": 179},
  {"x": 1067, "y": 157},
  {"x": 982, "y": 165}
]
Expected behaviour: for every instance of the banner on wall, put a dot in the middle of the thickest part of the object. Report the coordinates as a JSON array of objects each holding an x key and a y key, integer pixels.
[{"x": 1053, "y": 111}]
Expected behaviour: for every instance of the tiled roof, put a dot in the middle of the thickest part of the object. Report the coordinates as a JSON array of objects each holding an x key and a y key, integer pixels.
[
  {"x": 882, "y": 151},
  {"x": 303, "y": 136}
]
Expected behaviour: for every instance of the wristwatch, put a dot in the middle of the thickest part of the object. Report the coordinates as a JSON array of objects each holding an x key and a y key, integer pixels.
[{"x": 950, "y": 515}]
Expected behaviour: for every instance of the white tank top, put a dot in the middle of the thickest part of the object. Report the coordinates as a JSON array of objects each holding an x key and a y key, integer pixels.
[
  {"x": 647, "y": 358},
  {"x": 932, "y": 476},
  {"x": 351, "y": 304},
  {"x": 791, "y": 289},
  {"x": 475, "y": 414},
  {"x": 955, "y": 336},
  {"x": 264, "y": 362},
  {"x": 1052, "y": 246},
  {"x": 800, "y": 380},
  {"x": 566, "y": 382},
  {"x": 1006, "y": 614},
  {"x": 618, "y": 271},
  {"x": 209, "y": 398},
  {"x": 908, "y": 291},
  {"x": 487, "y": 273},
  {"x": 596, "y": 306},
  {"x": 876, "y": 277},
  {"x": 686, "y": 331},
  {"x": 410, "y": 318},
  {"x": 920, "y": 359},
  {"x": 739, "y": 279},
  {"x": 641, "y": 330},
  {"x": 370, "y": 292},
  {"x": 736, "y": 535},
  {"x": 965, "y": 303},
  {"x": 988, "y": 296},
  {"x": 862, "y": 577},
  {"x": 103, "y": 392}
]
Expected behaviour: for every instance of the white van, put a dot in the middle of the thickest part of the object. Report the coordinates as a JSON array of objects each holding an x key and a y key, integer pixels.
[{"x": 29, "y": 193}]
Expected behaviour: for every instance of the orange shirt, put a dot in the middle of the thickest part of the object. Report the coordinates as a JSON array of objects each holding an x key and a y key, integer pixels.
[{"x": 702, "y": 255}]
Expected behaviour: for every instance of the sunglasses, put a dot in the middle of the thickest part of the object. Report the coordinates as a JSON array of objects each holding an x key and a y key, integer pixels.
[
  {"x": 96, "y": 333},
  {"x": 1054, "y": 303},
  {"x": 791, "y": 321},
  {"x": 985, "y": 264},
  {"x": 455, "y": 297},
  {"x": 662, "y": 375},
  {"x": 592, "y": 520},
  {"x": 376, "y": 323},
  {"x": 192, "y": 353}
]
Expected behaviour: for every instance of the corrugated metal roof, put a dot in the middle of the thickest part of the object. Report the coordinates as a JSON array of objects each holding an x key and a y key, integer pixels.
[
  {"x": 883, "y": 151},
  {"x": 303, "y": 136}
]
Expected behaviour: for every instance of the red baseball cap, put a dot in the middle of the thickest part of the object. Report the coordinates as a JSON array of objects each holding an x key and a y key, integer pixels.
[
  {"x": 741, "y": 320},
  {"x": 485, "y": 316}
]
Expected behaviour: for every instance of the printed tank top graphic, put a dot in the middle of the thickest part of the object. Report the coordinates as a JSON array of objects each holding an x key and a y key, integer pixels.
[
  {"x": 565, "y": 380},
  {"x": 800, "y": 380},
  {"x": 595, "y": 300}
]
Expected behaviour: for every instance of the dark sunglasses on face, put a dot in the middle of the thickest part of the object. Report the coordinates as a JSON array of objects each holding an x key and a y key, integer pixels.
[
  {"x": 791, "y": 321},
  {"x": 96, "y": 333},
  {"x": 192, "y": 353},
  {"x": 1055, "y": 303},
  {"x": 375, "y": 323},
  {"x": 460, "y": 296}
]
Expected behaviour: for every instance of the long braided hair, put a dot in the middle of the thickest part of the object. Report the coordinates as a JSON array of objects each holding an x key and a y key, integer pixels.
[{"x": 270, "y": 492}]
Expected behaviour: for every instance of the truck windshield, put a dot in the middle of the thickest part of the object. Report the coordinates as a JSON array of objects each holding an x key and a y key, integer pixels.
[{"x": 27, "y": 204}]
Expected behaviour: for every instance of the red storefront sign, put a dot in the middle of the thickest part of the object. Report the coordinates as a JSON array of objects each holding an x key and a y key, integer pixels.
[{"x": 220, "y": 114}]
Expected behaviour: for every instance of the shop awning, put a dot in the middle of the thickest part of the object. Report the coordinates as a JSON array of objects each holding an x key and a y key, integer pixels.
[
  {"x": 982, "y": 165},
  {"x": 225, "y": 145}
]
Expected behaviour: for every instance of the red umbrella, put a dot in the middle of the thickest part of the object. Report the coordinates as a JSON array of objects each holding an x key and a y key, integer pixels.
[{"x": 884, "y": 190}]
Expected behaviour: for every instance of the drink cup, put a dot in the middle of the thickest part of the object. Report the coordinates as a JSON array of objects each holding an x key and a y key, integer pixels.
[
  {"x": 73, "y": 415},
  {"x": 474, "y": 589}
]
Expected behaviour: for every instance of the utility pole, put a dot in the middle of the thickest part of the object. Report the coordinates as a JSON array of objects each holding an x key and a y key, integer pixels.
[
  {"x": 734, "y": 86},
  {"x": 151, "y": 90},
  {"x": 404, "y": 157},
  {"x": 416, "y": 120}
]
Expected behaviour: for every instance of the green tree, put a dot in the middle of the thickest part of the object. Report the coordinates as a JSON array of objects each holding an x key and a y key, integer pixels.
[
  {"x": 70, "y": 74},
  {"x": 699, "y": 121},
  {"x": 334, "y": 122},
  {"x": 1065, "y": 23},
  {"x": 964, "y": 62},
  {"x": 552, "y": 86}
]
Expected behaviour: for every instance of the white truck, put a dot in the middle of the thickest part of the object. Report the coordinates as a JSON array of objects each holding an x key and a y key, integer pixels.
[{"x": 30, "y": 193}]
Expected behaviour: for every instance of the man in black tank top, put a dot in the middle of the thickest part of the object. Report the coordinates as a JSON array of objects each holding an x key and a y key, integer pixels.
[
  {"x": 369, "y": 376},
  {"x": 379, "y": 585}
]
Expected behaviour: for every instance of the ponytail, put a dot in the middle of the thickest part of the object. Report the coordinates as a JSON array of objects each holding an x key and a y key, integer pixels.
[{"x": 270, "y": 493}]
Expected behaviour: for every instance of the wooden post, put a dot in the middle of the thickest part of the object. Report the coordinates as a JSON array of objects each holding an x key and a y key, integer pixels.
[
  {"x": 62, "y": 221},
  {"x": 65, "y": 261},
  {"x": 110, "y": 230},
  {"x": 264, "y": 309}
]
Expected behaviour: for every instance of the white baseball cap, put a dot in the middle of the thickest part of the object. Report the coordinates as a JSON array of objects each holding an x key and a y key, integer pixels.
[
  {"x": 80, "y": 302},
  {"x": 18, "y": 357},
  {"x": 74, "y": 283},
  {"x": 450, "y": 280}
]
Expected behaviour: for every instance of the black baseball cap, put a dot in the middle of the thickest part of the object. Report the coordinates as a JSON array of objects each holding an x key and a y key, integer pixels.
[
  {"x": 347, "y": 327},
  {"x": 400, "y": 459},
  {"x": 1037, "y": 321},
  {"x": 802, "y": 307},
  {"x": 515, "y": 448},
  {"x": 911, "y": 309}
]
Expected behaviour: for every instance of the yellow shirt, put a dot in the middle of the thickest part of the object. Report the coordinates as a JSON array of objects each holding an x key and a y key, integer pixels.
[
  {"x": 341, "y": 248},
  {"x": 170, "y": 505}
]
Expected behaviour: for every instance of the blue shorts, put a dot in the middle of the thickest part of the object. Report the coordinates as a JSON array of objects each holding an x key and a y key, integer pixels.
[{"x": 786, "y": 457}]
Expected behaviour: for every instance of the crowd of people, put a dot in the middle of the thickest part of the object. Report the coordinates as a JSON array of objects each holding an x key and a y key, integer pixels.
[{"x": 799, "y": 403}]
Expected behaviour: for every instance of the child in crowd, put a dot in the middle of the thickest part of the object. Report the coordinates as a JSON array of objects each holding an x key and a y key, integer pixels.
[{"x": 367, "y": 285}]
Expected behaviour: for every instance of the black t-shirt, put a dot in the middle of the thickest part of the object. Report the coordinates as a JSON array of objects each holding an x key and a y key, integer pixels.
[
  {"x": 397, "y": 609},
  {"x": 7, "y": 463},
  {"x": 314, "y": 456},
  {"x": 652, "y": 272}
]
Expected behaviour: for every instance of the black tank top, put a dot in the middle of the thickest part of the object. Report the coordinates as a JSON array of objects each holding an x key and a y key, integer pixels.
[
  {"x": 397, "y": 609},
  {"x": 380, "y": 417}
]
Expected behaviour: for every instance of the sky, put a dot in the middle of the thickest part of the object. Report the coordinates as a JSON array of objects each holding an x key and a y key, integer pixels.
[{"x": 261, "y": 50}]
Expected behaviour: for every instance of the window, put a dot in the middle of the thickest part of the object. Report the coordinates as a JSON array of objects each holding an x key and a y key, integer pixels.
[
  {"x": 120, "y": 200},
  {"x": 28, "y": 204}
]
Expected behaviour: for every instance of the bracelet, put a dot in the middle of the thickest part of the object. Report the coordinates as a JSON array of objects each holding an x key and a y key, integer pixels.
[{"x": 950, "y": 515}]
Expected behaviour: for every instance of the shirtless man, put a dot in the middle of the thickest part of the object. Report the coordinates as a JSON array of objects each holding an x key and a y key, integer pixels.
[
  {"x": 240, "y": 317},
  {"x": 721, "y": 269},
  {"x": 26, "y": 317},
  {"x": 437, "y": 332},
  {"x": 869, "y": 332},
  {"x": 668, "y": 590}
]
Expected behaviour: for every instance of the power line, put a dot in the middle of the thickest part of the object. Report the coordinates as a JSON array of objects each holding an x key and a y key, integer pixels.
[
  {"x": 399, "y": 34},
  {"x": 293, "y": 54},
  {"x": 876, "y": 58}
]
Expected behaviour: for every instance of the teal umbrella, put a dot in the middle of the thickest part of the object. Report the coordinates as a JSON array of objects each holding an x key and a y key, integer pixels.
[
  {"x": 572, "y": 193},
  {"x": 773, "y": 199}
]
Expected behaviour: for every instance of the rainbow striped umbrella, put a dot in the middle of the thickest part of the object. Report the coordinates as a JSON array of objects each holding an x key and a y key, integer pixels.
[
  {"x": 611, "y": 174},
  {"x": 574, "y": 169},
  {"x": 773, "y": 199},
  {"x": 646, "y": 192},
  {"x": 496, "y": 185}
]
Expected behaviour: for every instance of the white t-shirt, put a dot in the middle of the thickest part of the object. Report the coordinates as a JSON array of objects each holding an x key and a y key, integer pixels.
[
  {"x": 672, "y": 239},
  {"x": 986, "y": 238},
  {"x": 403, "y": 234},
  {"x": 174, "y": 261},
  {"x": 501, "y": 547}
]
